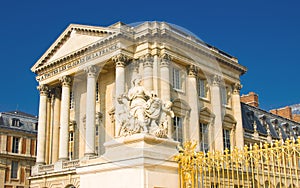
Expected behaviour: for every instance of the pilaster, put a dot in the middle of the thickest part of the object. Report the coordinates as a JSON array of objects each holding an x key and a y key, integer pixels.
[
  {"x": 193, "y": 128},
  {"x": 165, "y": 89},
  {"x": 236, "y": 107},
  {"x": 217, "y": 137},
  {"x": 120, "y": 61},
  {"x": 148, "y": 72}
]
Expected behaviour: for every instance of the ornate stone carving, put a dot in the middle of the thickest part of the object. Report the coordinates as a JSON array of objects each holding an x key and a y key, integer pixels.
[
  {"x": 236, "y": 88},
  {"x": 120, "y": 60},
  {"x": 192, "y": 71},
  {"x": 165, "y": 59},
  {"x": 147, "y": 60},
  {"x": 91, "y": 71},
  {"x": 143, "y": 112},
  {"x": 44, "y": 89},
  {"x": 66, "y": 80},
  {"x": 216, "y": 80}
]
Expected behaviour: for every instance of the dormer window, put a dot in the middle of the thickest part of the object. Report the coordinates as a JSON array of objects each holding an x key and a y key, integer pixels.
[{"x": 15, "y": 122}]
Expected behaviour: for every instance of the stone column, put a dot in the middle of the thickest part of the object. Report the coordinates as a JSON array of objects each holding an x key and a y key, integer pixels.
[
  {"x": 237, "y": 112},
  {"x": 148, "y": 72},
  {"x": 90, "y": 110},
  {"x": 217, "y": 137},
  {"x": 56, "y": 120},
  {"x": 64, "y": 118},
  {"x": 41, "y": 142},
  {"x": 193, "y": 129},
  {"x": 165, "y": 90},
  {"x": 155, "y": 74},
  {"x": 120, "y": 61}
]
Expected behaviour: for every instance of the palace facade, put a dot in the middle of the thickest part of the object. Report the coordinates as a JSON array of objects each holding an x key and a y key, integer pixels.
[
  {"x": 107, "y": 91},
  {"x": 18, "y": 133}
]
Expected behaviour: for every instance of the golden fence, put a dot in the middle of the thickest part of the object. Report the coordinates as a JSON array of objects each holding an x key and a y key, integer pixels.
[{"x": 266, "y": 165}]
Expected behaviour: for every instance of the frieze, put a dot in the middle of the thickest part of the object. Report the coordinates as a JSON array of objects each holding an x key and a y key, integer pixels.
[{"x": 77, "y": 62}]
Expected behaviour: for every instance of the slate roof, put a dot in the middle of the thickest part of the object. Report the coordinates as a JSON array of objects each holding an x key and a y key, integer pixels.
[
  {"x": 277, "y": 124},
  {"x": 27, "y": 122}
]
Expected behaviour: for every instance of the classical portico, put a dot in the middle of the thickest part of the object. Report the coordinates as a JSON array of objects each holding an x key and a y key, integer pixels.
[{"x": 116, "y": 93}]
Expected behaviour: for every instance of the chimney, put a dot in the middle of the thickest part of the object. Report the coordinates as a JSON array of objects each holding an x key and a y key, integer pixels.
[
  {"x": 251, "y": 99},
  {"x": 285, "y": 112}
]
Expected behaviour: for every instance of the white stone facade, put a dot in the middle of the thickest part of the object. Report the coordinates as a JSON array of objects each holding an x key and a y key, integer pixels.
[{"x": 105, "y": 91}]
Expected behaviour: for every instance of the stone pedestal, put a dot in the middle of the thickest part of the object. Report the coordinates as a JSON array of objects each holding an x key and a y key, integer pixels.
[{"x": 135, "y": 161}]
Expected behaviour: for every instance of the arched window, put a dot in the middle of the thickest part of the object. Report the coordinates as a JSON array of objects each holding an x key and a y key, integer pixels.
[
  {"x": 228, "y": 131},
  {"x": 206, "y": 119}
]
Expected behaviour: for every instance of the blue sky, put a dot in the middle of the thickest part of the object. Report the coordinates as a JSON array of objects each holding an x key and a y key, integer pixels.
[{"x": 263, "y": 35}]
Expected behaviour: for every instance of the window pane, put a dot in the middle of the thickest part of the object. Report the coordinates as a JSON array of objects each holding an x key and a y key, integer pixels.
[
  {"x": 177, "y": 129},
  {"x": 204, "y": 143},
  {"x": 202, "y": 88},
  {"x": 176, "y": 79},
  {"x": 14, "y": 169},
  {"x": 15, "y": 146},
  {"x": 226, "y": 138}
]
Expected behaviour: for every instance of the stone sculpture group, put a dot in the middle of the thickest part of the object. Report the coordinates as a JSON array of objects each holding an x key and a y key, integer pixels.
[{"x": 143, "y": 112}]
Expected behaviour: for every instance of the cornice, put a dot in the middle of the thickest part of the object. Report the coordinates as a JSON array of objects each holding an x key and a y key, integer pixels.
[{"x": 150, "y": 31}]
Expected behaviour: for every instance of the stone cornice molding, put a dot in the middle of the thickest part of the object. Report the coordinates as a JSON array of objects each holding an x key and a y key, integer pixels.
[
  {"x": 91, "y": 71},
  {"x": 165, "y": 59},
  {"x": 120, "y": 60},
  {"x": 216, "y": 80},
  {"x": 192, "y": 71},
  {"x": 44, "y": 89},
  {"x": 66, "y": 80},
  {"x": 236, "y": 88}
]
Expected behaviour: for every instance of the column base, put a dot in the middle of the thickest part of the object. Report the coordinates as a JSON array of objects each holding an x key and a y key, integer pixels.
[{"x": 63, "y": 159}]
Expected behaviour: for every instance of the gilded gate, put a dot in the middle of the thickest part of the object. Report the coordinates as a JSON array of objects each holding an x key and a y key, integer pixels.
[{"x": 266, "y": 165}]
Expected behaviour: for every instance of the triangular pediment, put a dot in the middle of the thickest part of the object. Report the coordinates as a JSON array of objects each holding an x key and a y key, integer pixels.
[{"x": 74, "y": 38}]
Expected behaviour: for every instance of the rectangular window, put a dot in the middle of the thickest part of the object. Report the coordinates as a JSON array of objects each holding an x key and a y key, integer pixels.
[
  {"x": 97, "y": 130},
  {"x": 176, "y": 79},
  {"x": 97, "y": 92},
  {"x": 15, "y": 122},
  {"x": 204, "y": 143},
  {"x": 226, "y": 139},
  {"x": 202, "y": 89},
  {"x": 15, "y": 146},
  {"x": 177, "y": 129},
  {"x": 72, "y": 102},
  {"x": 14, "y": 169}
]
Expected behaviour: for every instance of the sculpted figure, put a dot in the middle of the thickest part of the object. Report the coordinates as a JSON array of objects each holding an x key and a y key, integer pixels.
[{"x": 143, "y": 112}]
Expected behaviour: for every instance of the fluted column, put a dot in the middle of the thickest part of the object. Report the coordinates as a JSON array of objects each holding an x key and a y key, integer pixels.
[
  {"x": 56, "y": 119},
  {"x": 193, "y": 128},
  {"x": 148, "y": 72},
  {"x": 120, "y": 61},
  {"x": 41, "y": 142},
  {"x": 64, "y": 117},
  {"x": 237, "y": 111},
  {"x": 165, "y": 90},
  {"x": 90, "y": 110},
  {"x": 217, "y": 137}
]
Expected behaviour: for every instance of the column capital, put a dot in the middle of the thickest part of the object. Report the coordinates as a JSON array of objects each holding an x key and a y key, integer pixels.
[
  {"x": 236, "y": 88},
  {"x": 192, "y": 71},
  {"x": 165, "y": 59},
  {"x": 91, "y": 71},
  {"x": 120, "y": 60},
  {"x": 44, "y": 89},
  {"x": 147, "y": 60},
  {"x": 216, "y": 80},
  {"x": 66, "y": 80}
]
